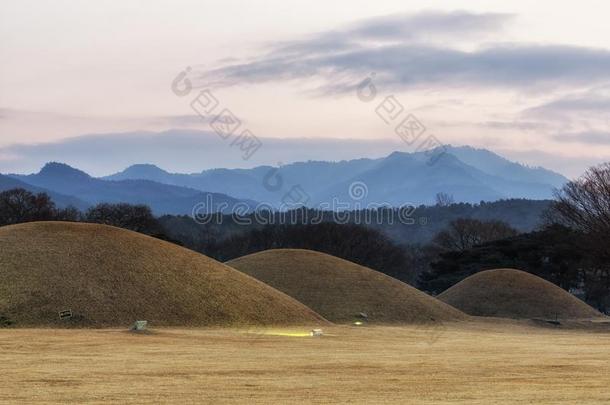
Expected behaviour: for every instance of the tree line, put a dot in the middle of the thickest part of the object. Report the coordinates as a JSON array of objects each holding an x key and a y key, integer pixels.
[{"x": 20, "y": 205}]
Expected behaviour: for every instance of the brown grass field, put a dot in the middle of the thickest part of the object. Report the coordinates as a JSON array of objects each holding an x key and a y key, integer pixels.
[{"x": 482, "y": 362}]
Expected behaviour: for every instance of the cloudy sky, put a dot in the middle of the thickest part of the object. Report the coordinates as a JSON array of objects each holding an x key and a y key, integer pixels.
[{"x": 529, "y": 80}]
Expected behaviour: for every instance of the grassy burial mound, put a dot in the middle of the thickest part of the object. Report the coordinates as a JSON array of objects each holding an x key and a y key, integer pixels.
[
  {"x": 340, "y": 290},
  {"x": 108, "y": 276},
  {"x": 509, "y": 293}
]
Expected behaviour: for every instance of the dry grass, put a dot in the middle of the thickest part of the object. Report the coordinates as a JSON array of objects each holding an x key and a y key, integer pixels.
[
  {"x": 465, "y": 363},
  {"x": 110, "y": 277},
  {"x": 339, "y": 290},
  {"x": 515, "y": 294}
]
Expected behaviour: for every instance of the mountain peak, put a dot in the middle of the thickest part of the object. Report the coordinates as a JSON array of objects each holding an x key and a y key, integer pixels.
[
  {"x": 145, "y": 168},
  {"x": 143, "y": 171},
  {"x": 399, "y": 155},
  {"x": 57, "y": 169},
  {"x": 492, "y": 163}
]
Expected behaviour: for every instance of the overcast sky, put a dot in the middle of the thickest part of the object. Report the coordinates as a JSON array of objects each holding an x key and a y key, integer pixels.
[{"x": 529, "y": 80}]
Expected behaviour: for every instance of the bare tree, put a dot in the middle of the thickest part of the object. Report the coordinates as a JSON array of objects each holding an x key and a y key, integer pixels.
[
  {"x": 464, "y": 233},
  {"x": 69, "y": 214},
  {"x": 584, "y": 205},
  {"x": 138, "y": 218},
  {"x": 444, "y": 199},
  {"x": 19, "y": 205}
]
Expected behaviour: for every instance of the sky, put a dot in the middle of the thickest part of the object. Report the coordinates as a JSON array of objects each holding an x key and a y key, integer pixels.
[{"x": 528, "y": 80}]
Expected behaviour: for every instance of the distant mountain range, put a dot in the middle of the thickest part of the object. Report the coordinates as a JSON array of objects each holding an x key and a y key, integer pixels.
[
  {"x": 61, "y": 200},
  {"x": 62, "y": 179},
  {"x": 467, "y": 174}
]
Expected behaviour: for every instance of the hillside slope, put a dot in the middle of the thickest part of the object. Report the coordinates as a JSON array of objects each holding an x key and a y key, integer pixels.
[
  {"x": 509, "y": 293},
  {"x": 339, "y": 290}
]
